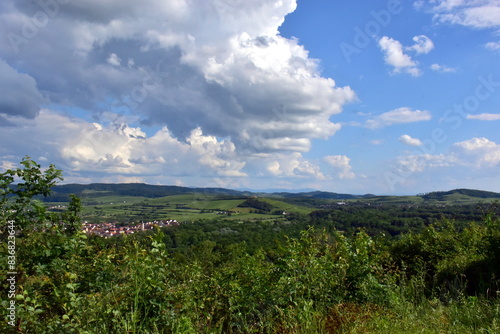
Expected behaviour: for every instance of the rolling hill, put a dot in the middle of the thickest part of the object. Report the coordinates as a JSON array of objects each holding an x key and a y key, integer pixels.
[
  {"x": 444, "y": 195},
  {"x": 138, "y": 201},
  {"x": 95, "y": 190}
]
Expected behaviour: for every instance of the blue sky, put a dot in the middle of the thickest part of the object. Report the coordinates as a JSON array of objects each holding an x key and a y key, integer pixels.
[
  {"x": 383, "y": 97},
  {"x": 338, "y": 33}
]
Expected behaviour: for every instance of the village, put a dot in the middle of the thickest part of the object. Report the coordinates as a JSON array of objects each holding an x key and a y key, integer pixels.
[{"x": 108, "y": 230}]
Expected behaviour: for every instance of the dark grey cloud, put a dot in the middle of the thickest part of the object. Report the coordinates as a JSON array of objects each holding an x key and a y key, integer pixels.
[{"x": 20, "y": 96}]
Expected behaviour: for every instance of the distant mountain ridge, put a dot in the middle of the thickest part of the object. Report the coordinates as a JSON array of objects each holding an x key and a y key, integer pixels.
[{"x": 61, "y": 192}]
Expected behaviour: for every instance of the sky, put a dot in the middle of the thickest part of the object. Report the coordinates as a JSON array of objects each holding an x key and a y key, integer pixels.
[{"x": 381, "y": 97}]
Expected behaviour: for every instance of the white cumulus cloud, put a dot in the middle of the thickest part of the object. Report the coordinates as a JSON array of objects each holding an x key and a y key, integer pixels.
[
  {"x": 485, "y": 117},
  {"x": 398, "y": 116},
  {"x": 442, "y": 68},
  {"x": 479, "y": 152},
  {"x": 114, "y": 60},
  {"x": 423, "y": 45},
  {"x": 475, "y": 14},
  {"x": 395, "y": 57},
  {"x": 476, "y": 155},
  {"x": 407, "y": 165},
  {"x": 341, "y": 166},
  {"x": 494, "y": 46},
  {"x": 408, "y": 140}
]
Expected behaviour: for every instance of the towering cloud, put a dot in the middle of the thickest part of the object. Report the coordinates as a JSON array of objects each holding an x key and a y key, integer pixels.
[{"x": 217, "y": 70}]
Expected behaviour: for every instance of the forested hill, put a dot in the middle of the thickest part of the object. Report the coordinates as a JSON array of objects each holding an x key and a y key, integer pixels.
[
  {"x": 444, "y": 195},
  {"x": 60, "y": 193}
]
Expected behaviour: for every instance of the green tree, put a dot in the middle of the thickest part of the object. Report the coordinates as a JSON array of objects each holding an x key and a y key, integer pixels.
[
  {"x": 47, "y": 253},
  {"x": 17, "y": 201}
]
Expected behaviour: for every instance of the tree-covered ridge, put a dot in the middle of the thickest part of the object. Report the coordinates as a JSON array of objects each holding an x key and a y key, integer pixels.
[
  {"x": 256, "y": 204},
  {"x": 467, "y": 192},
  {"x": 302, "y": 274},
  {"x": 61, "y": 192}
]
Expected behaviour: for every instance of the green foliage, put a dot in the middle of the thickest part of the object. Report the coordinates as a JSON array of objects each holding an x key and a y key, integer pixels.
[
  {"x": 274, "y": 276},
  {"x": 450, "y": 263},
  {"x": 16, "y": 200}
]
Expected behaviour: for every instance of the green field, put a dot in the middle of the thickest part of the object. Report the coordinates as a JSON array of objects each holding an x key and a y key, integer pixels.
[
  {"x": 132, "y": 203},
  {"x": 182, "y": 208},
  {"x": 190, "y": 207}
]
